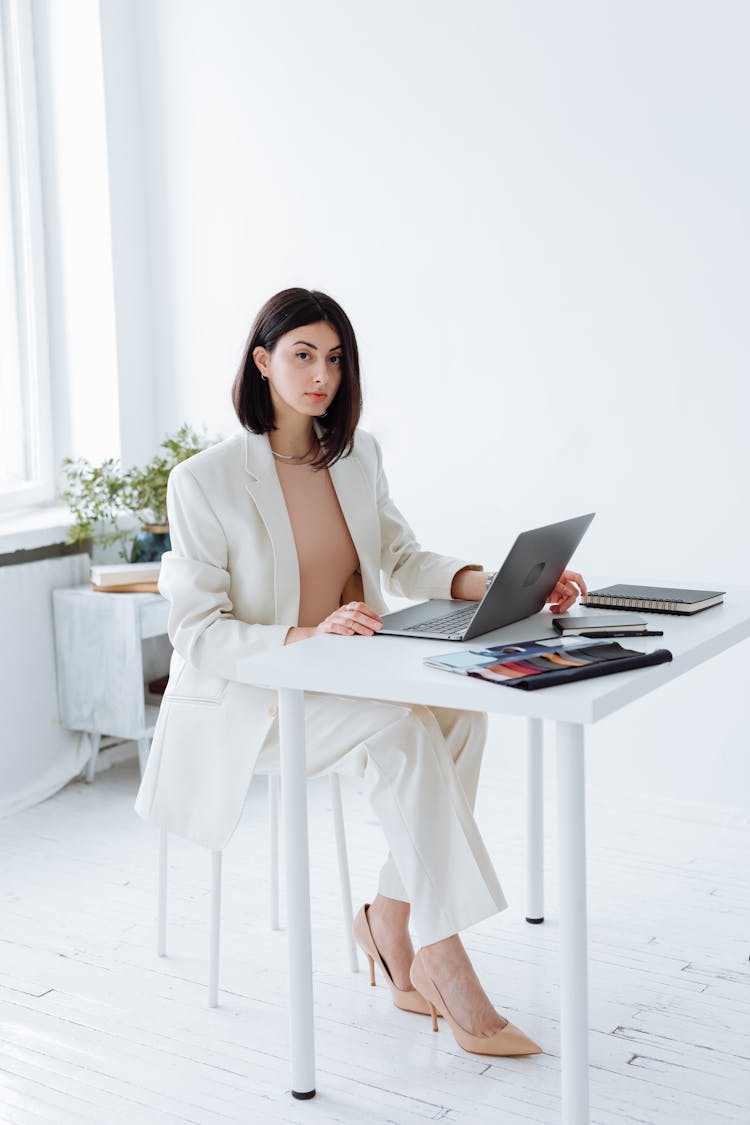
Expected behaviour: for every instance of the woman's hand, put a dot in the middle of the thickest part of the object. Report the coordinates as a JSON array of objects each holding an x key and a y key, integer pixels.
[
  {"x": 568, "y": 587},
  {"x": 349, "y": 620},
  {"x": 352, "y": 619}
]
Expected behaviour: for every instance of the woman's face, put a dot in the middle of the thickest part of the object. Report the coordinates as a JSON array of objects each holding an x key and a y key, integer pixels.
[{"x": 303, "y": 370}]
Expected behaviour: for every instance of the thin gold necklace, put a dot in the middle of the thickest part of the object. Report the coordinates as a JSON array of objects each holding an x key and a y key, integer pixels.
[{"x": 292, "y": 456}]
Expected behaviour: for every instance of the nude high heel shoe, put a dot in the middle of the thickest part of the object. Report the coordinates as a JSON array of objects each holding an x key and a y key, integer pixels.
[
  {"x": 510, "y": 1040},
  {"x": 407, "y": 1001}
]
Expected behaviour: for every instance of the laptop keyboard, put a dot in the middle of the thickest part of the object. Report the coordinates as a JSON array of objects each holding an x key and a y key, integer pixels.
[{"x": 454, "y": 622}]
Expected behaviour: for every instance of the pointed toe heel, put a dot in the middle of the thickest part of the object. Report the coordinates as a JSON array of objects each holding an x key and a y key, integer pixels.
[
  {"x": 411, "y": 1001},
  {"x": 510, "y": 1040}
]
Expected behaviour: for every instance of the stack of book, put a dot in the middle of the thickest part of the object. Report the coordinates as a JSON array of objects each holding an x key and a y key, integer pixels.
[{"x": 116, "y": 578}]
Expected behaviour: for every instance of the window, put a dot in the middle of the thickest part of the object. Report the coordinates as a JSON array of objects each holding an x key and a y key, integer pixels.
[{"x": 26, "y": 464}]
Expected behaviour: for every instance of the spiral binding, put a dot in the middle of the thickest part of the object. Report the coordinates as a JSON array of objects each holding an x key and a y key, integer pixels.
[{"x": 656, "y": 606}]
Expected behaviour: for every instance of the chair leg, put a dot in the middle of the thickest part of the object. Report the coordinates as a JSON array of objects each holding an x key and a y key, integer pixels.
[
  {"x": 273, "y": 830},
  {"x": 344, "y": 880},
  {"x": 161, "y": 912},
  {"x": 213, "y": 940},
  {"x": 94, "y": 740},
  {"x": 144, "y": 746}
]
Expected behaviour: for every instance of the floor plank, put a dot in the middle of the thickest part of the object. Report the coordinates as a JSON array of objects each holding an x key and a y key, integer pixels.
[{"x": 95, "y": 1028}]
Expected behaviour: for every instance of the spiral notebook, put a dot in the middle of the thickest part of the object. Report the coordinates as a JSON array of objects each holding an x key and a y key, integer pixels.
[{"x": 654, "y": 599}]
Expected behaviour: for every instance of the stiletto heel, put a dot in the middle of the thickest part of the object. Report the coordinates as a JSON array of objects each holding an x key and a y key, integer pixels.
[
  {"x": 411, "y": 1001},
  {"x": 510, "y": 1040}
]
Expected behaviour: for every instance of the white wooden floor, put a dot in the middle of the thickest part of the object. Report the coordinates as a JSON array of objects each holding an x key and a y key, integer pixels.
[{"x": 95, "y": 1028}]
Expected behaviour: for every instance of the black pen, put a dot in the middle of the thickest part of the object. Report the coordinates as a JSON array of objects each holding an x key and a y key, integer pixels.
[{"x": 642, "y": 633}]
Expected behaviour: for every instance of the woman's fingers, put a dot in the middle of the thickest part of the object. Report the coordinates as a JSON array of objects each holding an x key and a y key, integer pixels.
[
  {"x": 361, "y": 619},
  {"x": 567, "y": 589},
  {"x": 355, "y": 618},
  {"x": 361, "y": 608},
  {"x": 574, "y": 576}
]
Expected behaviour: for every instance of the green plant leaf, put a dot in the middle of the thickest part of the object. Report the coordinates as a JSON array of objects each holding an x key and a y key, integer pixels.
[{"x": 99, "y": 494}]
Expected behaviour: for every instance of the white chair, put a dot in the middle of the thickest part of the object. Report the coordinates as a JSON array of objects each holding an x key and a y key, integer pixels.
[{"x": 215, "y": 898}]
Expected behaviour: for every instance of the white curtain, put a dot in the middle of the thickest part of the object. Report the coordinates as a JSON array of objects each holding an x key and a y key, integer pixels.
[{"x": 37, "y": 756}]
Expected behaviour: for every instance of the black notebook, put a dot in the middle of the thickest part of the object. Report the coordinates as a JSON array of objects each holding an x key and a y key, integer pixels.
[
  {"x": 654, "y": 599},
  {"x": 590, "y": 625}
]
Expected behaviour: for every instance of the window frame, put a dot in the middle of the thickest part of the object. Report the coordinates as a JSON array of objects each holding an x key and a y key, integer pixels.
[{"x": 17, "y": 44}]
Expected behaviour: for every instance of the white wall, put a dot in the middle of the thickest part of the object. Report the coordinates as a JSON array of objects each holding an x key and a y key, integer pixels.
[{"x": 536, "y": 217}]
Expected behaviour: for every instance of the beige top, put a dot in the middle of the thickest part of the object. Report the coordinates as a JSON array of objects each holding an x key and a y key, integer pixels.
[{"x": 326, "y": 553}]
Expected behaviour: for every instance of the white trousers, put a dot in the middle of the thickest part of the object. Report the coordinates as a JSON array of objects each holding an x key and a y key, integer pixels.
[{"x": 422, "y": 766}]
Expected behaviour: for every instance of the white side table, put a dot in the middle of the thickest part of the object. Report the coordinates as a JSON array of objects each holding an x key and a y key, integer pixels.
[{"x": 101, "y": 686}]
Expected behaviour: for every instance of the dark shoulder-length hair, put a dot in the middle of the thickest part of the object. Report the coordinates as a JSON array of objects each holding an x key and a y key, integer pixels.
[{"x": 251, "y": 397}]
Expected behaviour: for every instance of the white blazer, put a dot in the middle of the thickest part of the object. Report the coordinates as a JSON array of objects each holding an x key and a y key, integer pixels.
[{"x": 232, "y": 581}]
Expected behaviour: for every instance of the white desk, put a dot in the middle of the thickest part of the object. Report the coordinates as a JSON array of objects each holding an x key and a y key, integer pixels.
[{"x": 391, "y": 668}]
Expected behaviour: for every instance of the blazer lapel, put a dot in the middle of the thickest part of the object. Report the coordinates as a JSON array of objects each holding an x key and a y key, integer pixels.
[
  {"x": 358, "y": 505},
  {"x": 265, "y": 490}
]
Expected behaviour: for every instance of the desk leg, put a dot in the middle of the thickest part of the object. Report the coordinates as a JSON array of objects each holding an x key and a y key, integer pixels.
[
  {"x": 294, "y": 814},
  {"x": 571, "y": 813},
  {"x": 534, "y": 822}
]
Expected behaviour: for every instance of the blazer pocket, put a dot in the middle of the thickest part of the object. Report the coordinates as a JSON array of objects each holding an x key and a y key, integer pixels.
[
  {"x": 193, "y": 686},
  {"x": 194, "y": 699}
]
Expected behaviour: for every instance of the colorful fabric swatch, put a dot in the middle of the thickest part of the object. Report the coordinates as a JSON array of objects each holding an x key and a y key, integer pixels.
[
  {"x": 533, "y": 664},
  {"x": 565, "y": 661}
]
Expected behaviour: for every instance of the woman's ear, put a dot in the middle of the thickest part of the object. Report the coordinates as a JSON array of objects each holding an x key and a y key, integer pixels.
[{"x": 260, "y": 359}]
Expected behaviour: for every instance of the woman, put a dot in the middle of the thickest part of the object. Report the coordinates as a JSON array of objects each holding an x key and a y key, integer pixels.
[{"x": 278, "y": 535}]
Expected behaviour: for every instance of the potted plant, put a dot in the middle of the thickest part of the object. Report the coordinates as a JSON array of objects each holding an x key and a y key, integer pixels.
[{"x": 98, "y": 494}]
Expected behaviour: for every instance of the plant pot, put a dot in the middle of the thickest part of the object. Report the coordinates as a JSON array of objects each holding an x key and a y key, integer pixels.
[{"x": 151, "y": 542}]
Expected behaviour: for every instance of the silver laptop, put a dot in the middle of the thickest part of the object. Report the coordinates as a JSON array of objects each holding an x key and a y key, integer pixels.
[{"x": 520, "y": 588}]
